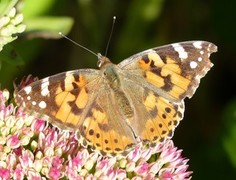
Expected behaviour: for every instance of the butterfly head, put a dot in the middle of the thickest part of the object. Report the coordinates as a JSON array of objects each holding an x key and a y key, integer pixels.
[{"x": 102, "y": 61}]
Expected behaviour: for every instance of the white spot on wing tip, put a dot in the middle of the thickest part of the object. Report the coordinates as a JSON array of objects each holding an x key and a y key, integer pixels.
[
  {"x": 193, "y": 64},
  {"x": 28, "y": 89},
  {"x": 198, "y": 44},
  {"x": 44, "y": 87},
  {"x": 199, "y": 59},
  {"x": 183, "y": 55},
  {"x": 178, "y": 48},
  {"x": 34, "y": 103},
  {"x": 45, "y": 92},
  {"x": 42, "y": 105}
]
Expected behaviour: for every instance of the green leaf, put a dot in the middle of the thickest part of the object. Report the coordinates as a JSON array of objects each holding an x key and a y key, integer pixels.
[
  {"x": 6, "y": 6},
  {"x": 48, "y": 27},
  {"x": 229, "y": 140},
  {"x": 34, "y": 8},
  {"x": 9, "y": 55}
]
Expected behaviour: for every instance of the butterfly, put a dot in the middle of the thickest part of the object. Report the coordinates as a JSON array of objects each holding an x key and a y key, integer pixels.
[{"x": 114, "y": 108}]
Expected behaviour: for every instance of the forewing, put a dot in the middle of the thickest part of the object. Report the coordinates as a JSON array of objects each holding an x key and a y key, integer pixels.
[
  {"x": 175, "y": 70},
  {"x": 63, "y": 98}
]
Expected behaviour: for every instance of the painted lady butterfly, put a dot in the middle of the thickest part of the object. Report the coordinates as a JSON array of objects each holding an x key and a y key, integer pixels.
[{"x": 115, "y": 107}]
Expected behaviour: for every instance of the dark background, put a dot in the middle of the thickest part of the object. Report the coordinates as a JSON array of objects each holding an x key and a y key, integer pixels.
[{"x": 207, "y": 133}]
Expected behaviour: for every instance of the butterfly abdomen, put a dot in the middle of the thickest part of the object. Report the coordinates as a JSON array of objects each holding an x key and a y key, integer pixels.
[{"x": 124, "y": 104}]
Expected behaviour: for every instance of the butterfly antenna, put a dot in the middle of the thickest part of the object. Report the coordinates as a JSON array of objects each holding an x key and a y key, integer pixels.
[
  {"x": 61, "y": 34},
  {"x": 109, "y": 40}
]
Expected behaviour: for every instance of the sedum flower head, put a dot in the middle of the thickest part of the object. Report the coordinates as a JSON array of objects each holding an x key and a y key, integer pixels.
[
  {"x": 10, "y": 25},
  {"x": 33, "y": 149}
]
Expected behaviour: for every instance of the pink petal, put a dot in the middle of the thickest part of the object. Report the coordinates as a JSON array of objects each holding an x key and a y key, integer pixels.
[
  {"x": 26, "y": 159},
  {"x": 4, "y": 173},
  {"x": 18, "y": 174},
  {"x": 38, "y": 125},
  {"x": 57, "y": 162},
  {"x": 11, "y": 161},
  {"x": 135, "y": 154},
  {"x": 142, "y": 168},
  {"x": 13, "y": 142},
  {"x": 54, "y": 173}
]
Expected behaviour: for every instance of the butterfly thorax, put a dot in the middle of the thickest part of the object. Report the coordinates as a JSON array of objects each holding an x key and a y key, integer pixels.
[
  {"x": 109, "y": 72},
  {"x": 113, "y": 81}
]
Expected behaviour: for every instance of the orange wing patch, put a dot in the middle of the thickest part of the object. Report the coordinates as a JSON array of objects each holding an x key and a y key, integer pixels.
[
  {"x": 145, "y": 62},
  {"x": 72, "y": 81},
  {"x": 167, "y": 76},
  {"x": 70, "y": 98},
  {"x": 165, "y": 116},
  {"x": 99, "y": 134}
]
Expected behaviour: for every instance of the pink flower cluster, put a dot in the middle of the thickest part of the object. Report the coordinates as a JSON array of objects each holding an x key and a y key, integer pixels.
[{"x": 30, "y": 148}]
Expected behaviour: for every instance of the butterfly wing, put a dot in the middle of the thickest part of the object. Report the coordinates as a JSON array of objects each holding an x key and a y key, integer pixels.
[
  {"x": 105, "y": 127},
  {"x": 61, "y": 98},
  {"x": 155, "y": 117},
  {"x": 175, "y": 69},
  {"x": 161, "y": 78},
  {"x": 79, "y": 101}
]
